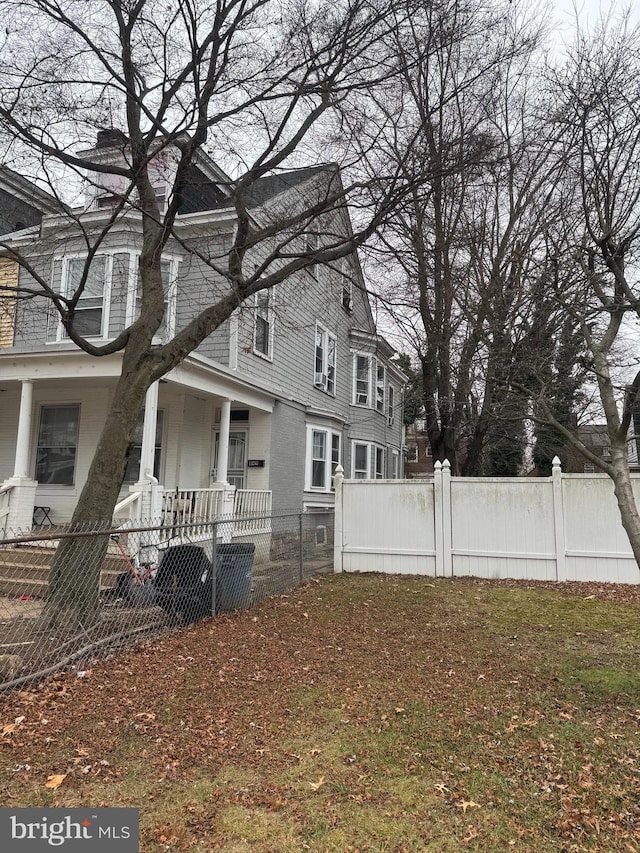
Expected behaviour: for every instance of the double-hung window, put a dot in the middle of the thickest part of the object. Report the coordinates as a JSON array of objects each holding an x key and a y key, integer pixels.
[
  {"x": 368, "y": 460},
  {"x": 324, "y": 376},
  {"x": 57, "y": 445},
  {"x": 90, "y": 317},
  {"x": 263, "y": 326},
  {"x": 323, "y": 457},
  {"x": 362, "y": 379},
  {"x": 380, "y": 387},
  {"x": 361, "y": 463},
  {"x": 390, "y": 405},
  {"x": 168, "y": 273}
]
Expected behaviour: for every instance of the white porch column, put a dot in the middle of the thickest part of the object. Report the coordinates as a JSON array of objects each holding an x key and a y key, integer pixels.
[
  {"x": 223, "y": 442},
  {"x": 21, "y": 487},
  {"x": 21, "y": 465},
  {"x": 148, "y": 449}
]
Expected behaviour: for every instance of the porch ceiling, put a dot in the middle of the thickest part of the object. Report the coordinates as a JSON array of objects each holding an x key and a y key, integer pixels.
[{"x": 61, "y": 366}]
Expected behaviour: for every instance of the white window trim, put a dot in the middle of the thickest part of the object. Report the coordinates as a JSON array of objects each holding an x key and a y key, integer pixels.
[
  {"x": 172, "y": 294},
  {"x": 63, "y": 260},
  {"x": 371, "y": 360},
  {"x": 267, "y": 356},
  {"x": 395, "y": 465},
  {"x": 328, "y": 478},
  {"x": 69, "y": 488},
  {"x": 380, "y": 404},
  {"x": 391, "y": 402},
  {"x": 366, "y": 444},
  {"x": 372, "y": 447},
  {"x": 321, "y": 378}
]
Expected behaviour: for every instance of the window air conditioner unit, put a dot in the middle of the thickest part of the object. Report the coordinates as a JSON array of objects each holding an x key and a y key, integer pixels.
[{"x": 320, "y": 380}]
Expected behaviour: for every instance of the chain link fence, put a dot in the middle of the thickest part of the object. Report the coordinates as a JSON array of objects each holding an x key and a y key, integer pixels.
[{"x": 67, "y": 599}]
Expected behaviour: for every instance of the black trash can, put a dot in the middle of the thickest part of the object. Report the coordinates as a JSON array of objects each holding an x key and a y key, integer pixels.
[
  {"x": 234, "y": 563},
  {"x": 184, "y": 582}
]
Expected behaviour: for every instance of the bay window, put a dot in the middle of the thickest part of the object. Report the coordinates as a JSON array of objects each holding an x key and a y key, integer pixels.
[
  {"x": 168, "y": 274},
  {"x": 390, "y": 405},
  {"x": 361, "y": 460},
  {"x": 323, "y": 457},
  {"x": 325, "y": 360},
  {"x": 90, "y": 316},
  {"x": 380, "y": 385},
  {"x": 367, "y": 461},
  {"x": 362, "y": 379}
]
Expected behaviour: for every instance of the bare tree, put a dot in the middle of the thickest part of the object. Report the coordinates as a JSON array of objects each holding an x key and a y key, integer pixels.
[
  {"x": 247, "y": 80},
  {"x": 598, "y": 238},
  {"x": 463, "y": 249}
]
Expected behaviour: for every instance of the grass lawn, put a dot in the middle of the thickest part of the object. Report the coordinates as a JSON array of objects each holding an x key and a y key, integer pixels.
[{"x": 359, "y": 713}]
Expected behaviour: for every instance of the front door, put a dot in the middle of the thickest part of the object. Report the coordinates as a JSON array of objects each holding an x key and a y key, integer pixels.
[{"x": 237, "y": 462}]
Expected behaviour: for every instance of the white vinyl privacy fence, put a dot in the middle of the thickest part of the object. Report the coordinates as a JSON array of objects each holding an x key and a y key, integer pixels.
[{"x": 563, "y": 527}]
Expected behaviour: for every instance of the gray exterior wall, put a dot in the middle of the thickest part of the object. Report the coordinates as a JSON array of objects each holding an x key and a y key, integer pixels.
[
  {"x": 299, "y": 304},
  {"x": 287, "y": 456}
]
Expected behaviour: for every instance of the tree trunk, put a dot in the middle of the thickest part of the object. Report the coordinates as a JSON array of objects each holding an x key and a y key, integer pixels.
[
  {"x": 74, "y": 580},
  {"x": 626, "y": 501}
]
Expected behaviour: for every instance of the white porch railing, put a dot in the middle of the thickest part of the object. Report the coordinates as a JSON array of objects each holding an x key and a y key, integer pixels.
[
  {"x": 132, "y": 504},
  {"x": 251, "y": 508},
  {"x": 193, "y": 507},
  {"x": 5, "y": 505},
  {"x": 193, "y": 510}
]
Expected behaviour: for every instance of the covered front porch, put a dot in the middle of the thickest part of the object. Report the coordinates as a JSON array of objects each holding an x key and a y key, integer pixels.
[{"x": 201, "y": 450}]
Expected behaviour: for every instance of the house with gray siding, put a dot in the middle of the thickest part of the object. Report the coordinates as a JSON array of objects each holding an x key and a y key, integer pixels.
[{"x": 296, "y": 382}]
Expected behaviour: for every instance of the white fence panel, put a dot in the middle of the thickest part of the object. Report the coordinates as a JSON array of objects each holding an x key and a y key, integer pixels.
[
  {"x": 563, "y": 527},
  {"x": 503, "y": 528},
  {"x": 596, "y": 543},
  {"x": 388, "y": 526}
]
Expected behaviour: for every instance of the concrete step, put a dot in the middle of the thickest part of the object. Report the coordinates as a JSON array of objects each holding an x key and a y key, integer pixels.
[
  {"x": 25, "y": 571},
  {"x": 17, "y": 587}
]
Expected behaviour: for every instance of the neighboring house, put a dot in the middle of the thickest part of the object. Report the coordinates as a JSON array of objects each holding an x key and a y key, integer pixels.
[
  {"x": 296, "y": 382},
  {"x": 596, "y": 439},
  {"x": 418, "y": 458}
]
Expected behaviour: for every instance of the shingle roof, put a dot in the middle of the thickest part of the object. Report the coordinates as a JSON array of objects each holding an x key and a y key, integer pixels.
[{"x": 271, "y": 185}]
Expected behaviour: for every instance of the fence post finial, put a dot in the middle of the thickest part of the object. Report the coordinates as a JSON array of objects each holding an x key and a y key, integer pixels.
[
  {"x": 556, "y": 463},
  {"x": 438, "y": 466},
  {"x": 446, "y": 465}
]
